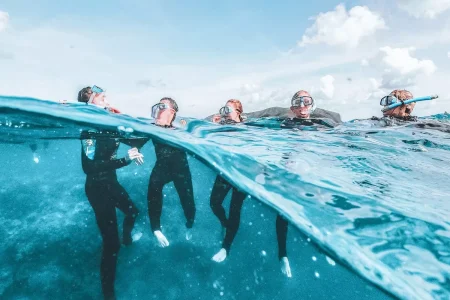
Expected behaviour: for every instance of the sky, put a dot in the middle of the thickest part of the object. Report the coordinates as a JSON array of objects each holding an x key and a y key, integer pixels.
[{"x": 201, "y": 53}]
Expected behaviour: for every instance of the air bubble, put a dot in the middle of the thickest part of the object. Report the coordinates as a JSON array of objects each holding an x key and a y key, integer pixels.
[{"x": 330, "y": 261}]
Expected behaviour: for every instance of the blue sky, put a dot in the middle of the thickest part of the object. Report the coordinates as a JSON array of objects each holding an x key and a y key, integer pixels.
[{"x": 203, "y": 53}]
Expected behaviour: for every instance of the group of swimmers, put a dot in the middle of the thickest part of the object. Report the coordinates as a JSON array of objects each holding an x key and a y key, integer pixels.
[{"x": 105, "y": 194}]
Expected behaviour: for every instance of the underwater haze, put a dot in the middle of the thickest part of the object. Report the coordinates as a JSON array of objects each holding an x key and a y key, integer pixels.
[{"x": 368, "y": 209}]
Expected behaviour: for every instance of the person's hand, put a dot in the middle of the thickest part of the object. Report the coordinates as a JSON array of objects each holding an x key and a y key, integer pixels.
[
  {"x": 216, "y": 118},
  {"x": 183, "y": 122},
  {"x": 133, "y": 154}
]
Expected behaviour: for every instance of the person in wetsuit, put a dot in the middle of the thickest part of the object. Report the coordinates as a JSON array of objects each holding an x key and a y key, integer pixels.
[
  {"x": 396, "y": 116},
  {"x": 399, "y": 114},
  {"x": 231, "y": 114},
  {"x": 302, "y": 107},
  {"x": 171, "y": 166},
  {"x": 99, "y": 162}
]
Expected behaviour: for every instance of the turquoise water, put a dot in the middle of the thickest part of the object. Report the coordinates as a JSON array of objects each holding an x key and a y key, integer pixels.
[{"x": 368, "y": 208}]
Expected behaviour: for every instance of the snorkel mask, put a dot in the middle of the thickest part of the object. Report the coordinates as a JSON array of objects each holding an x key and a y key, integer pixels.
[
  {"x": 157, "y": 108},
  {"x": 94, "y": 96},
  {"x": 226, "y": 110},
  {"x": 304, "y": 101},
  {"x": 391, "y": 102}
]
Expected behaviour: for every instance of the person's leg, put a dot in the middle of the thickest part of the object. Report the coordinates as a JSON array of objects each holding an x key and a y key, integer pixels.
[
  {"x": 158, "y": 179},
  {"x": 182, "y": 180},
  {"x": 237, "y": 199},
  {"x": 282, "y": 228},
  {"x": 218, "y": 194},
  {"x": 105, "y": 214},
  {"x": 123, "y": 202}
]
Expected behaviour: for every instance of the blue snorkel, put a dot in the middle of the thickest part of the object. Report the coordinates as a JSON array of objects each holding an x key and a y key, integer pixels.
[{"x": 400, "y": 103}]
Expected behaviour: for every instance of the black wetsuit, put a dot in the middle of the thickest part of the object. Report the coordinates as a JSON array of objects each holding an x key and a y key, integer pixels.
[
  {"x": 281, "y": 228},
  {"x": 105, "y": 194},
  {"x": 305, "y": 124},
  {"x": 171, "y": 165}
]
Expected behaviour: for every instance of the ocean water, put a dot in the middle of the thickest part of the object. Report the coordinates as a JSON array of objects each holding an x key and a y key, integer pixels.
[{"x": 368, "y": 208}]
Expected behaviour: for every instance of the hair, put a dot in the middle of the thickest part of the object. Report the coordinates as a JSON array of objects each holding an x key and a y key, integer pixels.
[
  {"x": 238, "y": 105},
  {"x": 296, "y": 95},
  {"x": 402, "y": 94},
  {"x": 81, "y": 94},
  {"x": 174, "y": 106}
]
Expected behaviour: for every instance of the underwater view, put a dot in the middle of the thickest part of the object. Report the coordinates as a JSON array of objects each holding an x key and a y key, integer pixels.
[{"x": 366, "y": 206}]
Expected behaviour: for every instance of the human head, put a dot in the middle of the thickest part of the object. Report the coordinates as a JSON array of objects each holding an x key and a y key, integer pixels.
[
  {"x": 235, "y": 110},
  {"x": 84, "y": 94},
  {"x": 403, "y": 110},
  {"x": 306, "y": 106},
  {"x": 166, "y": 116}
]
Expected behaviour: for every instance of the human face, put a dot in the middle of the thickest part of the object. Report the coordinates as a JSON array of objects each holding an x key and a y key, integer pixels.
[
  {"x": 100, "y": 100},
  {"x": 231, "y": 112},
  {"x": 302, "y": 111},
  {"x": 165, "y": 113}
]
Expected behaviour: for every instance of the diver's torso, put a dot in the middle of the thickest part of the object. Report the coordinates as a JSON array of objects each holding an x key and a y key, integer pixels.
[{"x": 99, "y": 147}]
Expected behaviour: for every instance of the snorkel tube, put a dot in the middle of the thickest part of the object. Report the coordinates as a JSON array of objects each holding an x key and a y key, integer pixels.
[{"x": 394, "y": 105}]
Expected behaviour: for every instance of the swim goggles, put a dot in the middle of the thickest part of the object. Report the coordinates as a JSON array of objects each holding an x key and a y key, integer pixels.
[
  {"x": 306, "y": 100},
  {"x": 388, "y": 100},
  {"x": 226, "y": 110},
  {"x": 159, "y": 107}
]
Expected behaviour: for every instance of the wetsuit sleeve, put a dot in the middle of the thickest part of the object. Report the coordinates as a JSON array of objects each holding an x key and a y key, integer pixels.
[{"x": 91, "y": 165}]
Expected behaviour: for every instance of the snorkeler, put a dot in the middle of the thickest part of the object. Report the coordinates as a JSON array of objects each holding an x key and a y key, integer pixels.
[
  {"x": 398, "y": 107},
  {"x": 96, "y": 95},
  {"x": 231, "y": 113},
  {"x": 171, "y": 166},
  {"x": 302, "y": 106},
  {"x": 105, "y": 194}
]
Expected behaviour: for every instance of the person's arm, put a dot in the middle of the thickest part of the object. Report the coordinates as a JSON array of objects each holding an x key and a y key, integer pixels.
[{"x": 91, "y": 165}]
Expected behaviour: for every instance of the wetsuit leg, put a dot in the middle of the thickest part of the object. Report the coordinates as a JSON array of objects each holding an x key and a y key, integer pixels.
[
  {"x": 182, "y": 180},
  {"x": 234, "y": 218},
  {"x": 123, "y": 202},
  {"x": 218, "y": 194},
  {"x": 282, "y": 228},
  {"x": 159, "y": 177},
  {"x": 105, "y": 213}
]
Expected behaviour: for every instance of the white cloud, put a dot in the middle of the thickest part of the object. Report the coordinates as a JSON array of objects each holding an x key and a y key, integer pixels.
[
  {"x": 424, "y": 8},
  {"x": 327, "y": 86},
  {"x": 364, "y": 62},
  {"x": 4, "y": 19},
  {"x": 448, "y": 54},
  {"x": 403, "y": 69},
  {"x": 340, "y": 27}
]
